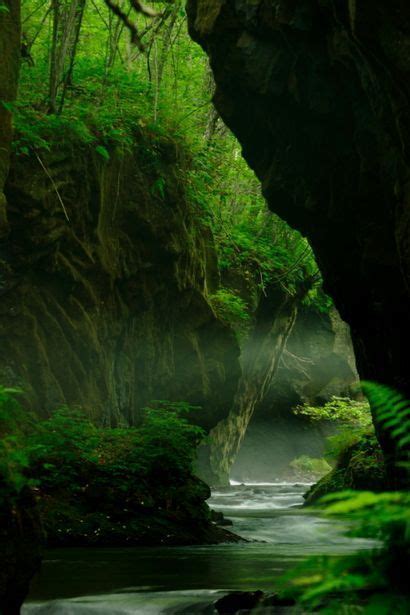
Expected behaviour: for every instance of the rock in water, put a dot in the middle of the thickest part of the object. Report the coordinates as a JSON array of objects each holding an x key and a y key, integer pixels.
[{"x": 238, "y": 601}]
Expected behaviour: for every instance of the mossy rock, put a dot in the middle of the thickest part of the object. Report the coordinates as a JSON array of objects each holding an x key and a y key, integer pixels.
[
  {"x": 360, "y": 466},
  {"x": 139, "y": 516}
]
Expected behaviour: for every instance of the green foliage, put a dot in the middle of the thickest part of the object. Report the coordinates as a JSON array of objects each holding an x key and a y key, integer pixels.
[
  {"x": 358, "y": 464},
  {"x": 392, "y": 412},
  {"x": 369, "y": 580},
  {"x": 168, "y": 439},
  {"x": 158, "y": 187},
  {"x": 165, "y": 439},
  {"x": 62, "y": 453},
  {"x": 11, "y": 413},
  {"x": 249, "y": 239},
  {"x": 13, "y": 463},
  {"x": 353, "y": 417},
  {"x": 310, "y": 467},
  {"x": 103, "y": 152},
  {"x": 341, "y": 409},
  {"x": 344, "y": 439},
  {"x": 14, "y": 457},
  {"x": 115, "y": 94},
  {"x": 61, "y": 448},
  {"x": 374, "y": 582},
  {"x": 37, "y": 131},
  {"x": 101, "y": 117},
  {"x": 318, "y": 299},
  {"x": 231, "y": 309}
]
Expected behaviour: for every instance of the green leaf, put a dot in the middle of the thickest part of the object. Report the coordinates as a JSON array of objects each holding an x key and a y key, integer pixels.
[
  {"x": 103, "y": 152},
  {"x": 9, "y": 106},
  {"x": 158, "y": 187}
]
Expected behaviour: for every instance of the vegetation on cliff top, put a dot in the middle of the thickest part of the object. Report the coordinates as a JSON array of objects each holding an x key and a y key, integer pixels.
[
  {"x": 83, "y": 84},
  {"x": 353, "y": 422}
]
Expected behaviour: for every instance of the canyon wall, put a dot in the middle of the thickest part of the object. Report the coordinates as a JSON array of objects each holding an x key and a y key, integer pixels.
[
  {"x": 261, "y": 354},
  {"x": 105, "y": 279},
  {"x": 317, "y": 92},
  {"x": 317, "y": 363}
]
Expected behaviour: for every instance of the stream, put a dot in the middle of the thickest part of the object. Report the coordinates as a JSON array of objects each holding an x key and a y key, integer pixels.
[{"x": 185, "y": 580}]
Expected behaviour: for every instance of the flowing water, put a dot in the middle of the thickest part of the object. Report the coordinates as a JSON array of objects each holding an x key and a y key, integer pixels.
[{"x": 187, "y": 580}]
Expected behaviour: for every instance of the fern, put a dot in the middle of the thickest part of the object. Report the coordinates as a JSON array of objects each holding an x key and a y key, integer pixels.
[
  {"x": 367, "y": 581},
  {"x": 392, "y": 412},
  {"x": 356, "y": 583}
]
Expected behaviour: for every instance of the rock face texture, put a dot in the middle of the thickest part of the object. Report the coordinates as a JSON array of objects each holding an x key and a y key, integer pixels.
[
  {"x": 9, "y": 70},
  {"x": 260, "y": 358},
  {"x": 360, "y": 466},
  {"x": 317, "y": 363},
  {"x": 317, "y": 91},
  {"x": 104, "y": 283}
]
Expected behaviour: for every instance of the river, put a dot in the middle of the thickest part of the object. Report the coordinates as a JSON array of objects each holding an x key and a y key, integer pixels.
[{"x": 187, "y": 580}]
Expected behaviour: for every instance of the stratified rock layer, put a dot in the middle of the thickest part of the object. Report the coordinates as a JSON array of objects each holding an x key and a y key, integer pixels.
[
  {"x": 104, "y": 285},
  {"x": 318, "y": 94}
]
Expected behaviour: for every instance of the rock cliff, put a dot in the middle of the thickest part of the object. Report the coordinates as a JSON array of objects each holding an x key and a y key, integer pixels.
[
  {"x": 104, "y": 283},
  {"x": 317, "y": 91},
  {"x": 317, "y": 363},
  {"x": 274, "y": 321}
]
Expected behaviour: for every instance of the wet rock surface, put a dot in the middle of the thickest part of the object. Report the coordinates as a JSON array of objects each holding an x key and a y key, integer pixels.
[
  {"x": 361, "y": 466},
  {"x": 252, "y": 602}
]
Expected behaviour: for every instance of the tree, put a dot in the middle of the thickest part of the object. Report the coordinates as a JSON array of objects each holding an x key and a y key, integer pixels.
[{"x": 9, "y": 72}]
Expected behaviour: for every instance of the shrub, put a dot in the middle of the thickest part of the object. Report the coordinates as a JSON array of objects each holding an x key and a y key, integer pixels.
[
  {"x": 14, "y": 455},
  {"x": 310, "y": 467},
  {"x": 353, "y": 417},
  {"x": 369, "y": 581},
  {"x": 342, "y": 409},
  {"x": 231, "y": 309},
  {"x": 97, "y": 484}
]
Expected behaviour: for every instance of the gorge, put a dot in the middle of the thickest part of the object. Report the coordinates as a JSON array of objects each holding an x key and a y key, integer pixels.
[{"x": 163, "y": 332}]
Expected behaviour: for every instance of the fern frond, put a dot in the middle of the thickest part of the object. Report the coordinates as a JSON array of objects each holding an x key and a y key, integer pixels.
[{"x": 392, "y": 412}]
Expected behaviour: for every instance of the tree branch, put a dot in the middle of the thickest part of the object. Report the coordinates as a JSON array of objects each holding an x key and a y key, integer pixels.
[{"x": 128, "y": 23}]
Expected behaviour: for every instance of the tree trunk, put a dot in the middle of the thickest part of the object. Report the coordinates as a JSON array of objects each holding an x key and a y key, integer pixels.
[
  {"x": 9, "y": 71},
  {"x": 67, "y": 18}
]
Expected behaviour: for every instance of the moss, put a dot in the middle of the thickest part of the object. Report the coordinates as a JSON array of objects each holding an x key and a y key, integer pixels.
[
  {"x": 360, "y": 466},
  {"x": 110, "y": 309},
  {"x": 176, "y": 516}
]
